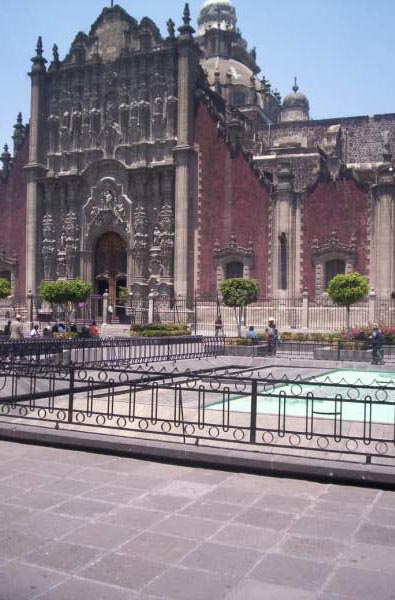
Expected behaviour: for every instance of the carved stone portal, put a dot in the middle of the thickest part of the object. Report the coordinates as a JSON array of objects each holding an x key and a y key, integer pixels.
[{"x": 107, "y": 207}]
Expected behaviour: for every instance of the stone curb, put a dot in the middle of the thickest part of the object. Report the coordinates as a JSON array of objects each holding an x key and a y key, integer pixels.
[{"x": 213, "y": 458}]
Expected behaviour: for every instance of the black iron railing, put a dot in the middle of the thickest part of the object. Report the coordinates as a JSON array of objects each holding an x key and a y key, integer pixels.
[
  {"x": 109, "y": 351},
  {"x": 228, "y": 407}
]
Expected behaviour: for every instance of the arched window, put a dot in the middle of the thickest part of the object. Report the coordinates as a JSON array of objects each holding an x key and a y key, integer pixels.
[
  {"x": 333, "y": 268},
  {"x": 283, "y": 262},
  {"x": 234, "y": 270}
]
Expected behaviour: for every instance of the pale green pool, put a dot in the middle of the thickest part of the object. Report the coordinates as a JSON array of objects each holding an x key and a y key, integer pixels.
[{"x": 353, "y": 409}]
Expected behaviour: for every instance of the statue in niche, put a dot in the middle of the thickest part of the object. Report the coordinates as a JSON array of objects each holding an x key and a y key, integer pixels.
[
  {"x": 108, "y": 208},
  {"x": 167, "y": 238},
  {"x": 62, "y": 242},
  {"x": 108, "y": 199},
  {"x": 156, "y": 237}
]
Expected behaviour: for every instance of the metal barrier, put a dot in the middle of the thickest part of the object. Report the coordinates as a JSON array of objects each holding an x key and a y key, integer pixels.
[
  {"x": 227, "y": 407},
  {"x": 109, "y": 351}
]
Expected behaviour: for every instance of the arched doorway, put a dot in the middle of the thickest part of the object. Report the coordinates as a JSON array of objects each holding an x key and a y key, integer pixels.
[{"x": 110, "y": 265}]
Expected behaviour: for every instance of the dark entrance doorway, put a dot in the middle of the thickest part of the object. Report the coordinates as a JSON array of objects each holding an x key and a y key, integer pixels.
[{"x": 110, "y": 265}]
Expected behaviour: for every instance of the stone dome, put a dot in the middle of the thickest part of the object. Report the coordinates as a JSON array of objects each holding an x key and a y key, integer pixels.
[
  {"x": 296, "y": 106},
  {"x": 216, "y": 2},
  {"x": 241, "y": 74},
  {"x": 217, "y": 14}
]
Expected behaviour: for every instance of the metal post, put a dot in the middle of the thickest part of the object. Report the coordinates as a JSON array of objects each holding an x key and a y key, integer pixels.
[
  {"x": 71, "y": 394},
  {"x": 195, "y": 316},
  {"x": 254, "y": 408}
]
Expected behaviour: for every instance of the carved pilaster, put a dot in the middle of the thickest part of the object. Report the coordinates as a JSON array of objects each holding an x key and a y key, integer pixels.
[{"x": 48, "y": 249}]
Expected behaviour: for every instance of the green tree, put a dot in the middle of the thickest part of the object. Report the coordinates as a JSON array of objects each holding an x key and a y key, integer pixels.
[
  {"x": 346, "y": 290},
  {"x": 5, "y": 288},
  {"x": 123, "y": 295},
  {"x": 65, "y": 294},
  {"x": 238, "y": 293}
]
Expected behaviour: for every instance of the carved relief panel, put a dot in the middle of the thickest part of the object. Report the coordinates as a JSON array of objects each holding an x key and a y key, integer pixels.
[{"x": 107, "y": 208}]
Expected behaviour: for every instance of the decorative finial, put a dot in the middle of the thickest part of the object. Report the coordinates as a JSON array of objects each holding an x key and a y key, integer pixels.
[
  {"x": 187, "y": 15},
  {"x": 19, "y": 133},
  {"x": 38, "y": 60},
  {"x": 112, "y": 3},
  {"x": 6, "y": 159},
  {"x": 295, "y": 87},
  {"x": 171, "y": 28},
  {"x": 55, "y": 53},
  {"x": 39, "y": 47},
  {"x": 186, "y": 30}
]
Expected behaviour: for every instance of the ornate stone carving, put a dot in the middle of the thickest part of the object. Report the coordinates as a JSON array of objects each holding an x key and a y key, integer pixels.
[
  {"x": 140, "y": 246},
  {"x": 334, "y": 246},
  {"x": 48, "y": 250},
  {"x": 107, "y": 206},
  {"x": 233, "y": 252},
  {"x": 71, "y": 233},
  {"x": 166, "y": 220}
]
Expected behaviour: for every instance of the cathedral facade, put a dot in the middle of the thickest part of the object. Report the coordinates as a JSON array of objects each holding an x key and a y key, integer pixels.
[{"x": 168, "y": 164}]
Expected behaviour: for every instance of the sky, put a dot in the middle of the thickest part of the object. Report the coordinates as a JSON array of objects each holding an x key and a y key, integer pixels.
[{"x": 341, "y": 50}]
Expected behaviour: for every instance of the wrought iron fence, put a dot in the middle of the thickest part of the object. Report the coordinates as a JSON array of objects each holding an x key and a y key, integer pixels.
[
  {"x": 201, "y": 312},
  {"x": 126, "y": 352},
  {"x": 228, "y": 408},
  {"x": 107, "y": 351}
]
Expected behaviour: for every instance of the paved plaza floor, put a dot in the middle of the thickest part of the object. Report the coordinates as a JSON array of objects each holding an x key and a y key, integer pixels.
[{"x": 81, "y": 526}]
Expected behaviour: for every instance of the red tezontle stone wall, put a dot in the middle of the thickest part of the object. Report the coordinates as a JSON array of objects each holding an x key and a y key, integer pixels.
[
  {"x": 342, "y": 207},
  {"x": 13, "y": 216},
  {"x": 232, "y": 201}
]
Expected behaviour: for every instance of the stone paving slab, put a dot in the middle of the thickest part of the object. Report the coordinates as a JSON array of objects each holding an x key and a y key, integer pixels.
[{"x": 113, "y": 528}]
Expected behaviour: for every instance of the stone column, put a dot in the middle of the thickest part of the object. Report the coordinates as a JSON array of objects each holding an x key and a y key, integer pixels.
[
  {"x": 35, "y": 167},
  {"x": 151, "y": 306},
  {"x": 183, "y": 251},
  {"x": 382, "y": 265},
  {"x": 106, "y": 299},
  {"x": 286, "y": 228},
  {"x": 305, "y": 309},
  {"x": 372, "y": 306}
]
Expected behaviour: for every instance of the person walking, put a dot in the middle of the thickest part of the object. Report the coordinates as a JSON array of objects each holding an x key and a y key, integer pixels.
[
  {"x": 272, "y": 337},
  {"x": 16, "y": 329},
  {"x": 377, "y": 345}
]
